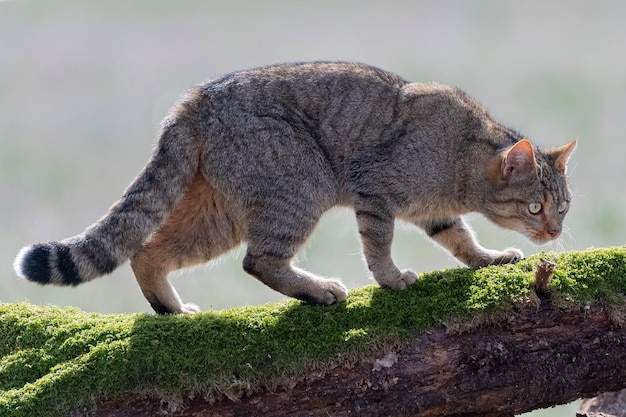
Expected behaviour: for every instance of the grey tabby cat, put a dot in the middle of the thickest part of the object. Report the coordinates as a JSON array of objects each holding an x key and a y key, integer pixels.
[{"x": 258, "y": 156}]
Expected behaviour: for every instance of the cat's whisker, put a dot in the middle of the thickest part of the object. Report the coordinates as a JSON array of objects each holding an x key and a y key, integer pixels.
[
  {"x": 559, "y": 244},
  {"x": 566, "y": 241}
]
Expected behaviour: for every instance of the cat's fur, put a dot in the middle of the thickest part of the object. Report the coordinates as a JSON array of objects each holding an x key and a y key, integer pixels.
[{"x": 260, "y": 155}]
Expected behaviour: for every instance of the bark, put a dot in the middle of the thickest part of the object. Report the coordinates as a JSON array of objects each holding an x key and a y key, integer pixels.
[
  {"x": 607, "y": 404},
  {"x": 533, "y": 359}
]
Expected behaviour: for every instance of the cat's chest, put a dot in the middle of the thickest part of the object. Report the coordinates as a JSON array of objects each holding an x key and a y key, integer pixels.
[{"x": 433, "y": 207}]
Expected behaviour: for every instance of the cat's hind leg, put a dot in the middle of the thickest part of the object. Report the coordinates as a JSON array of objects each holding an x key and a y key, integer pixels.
[
  {"x": 151, "y": 272},
  {"x": 200, "y": 228},
  {"x": 455, "y": 235},
  {"x": 275, "y": 234}
]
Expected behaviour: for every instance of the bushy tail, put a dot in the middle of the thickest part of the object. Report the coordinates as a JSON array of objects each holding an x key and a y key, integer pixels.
[{"x": 119, "y": 234}]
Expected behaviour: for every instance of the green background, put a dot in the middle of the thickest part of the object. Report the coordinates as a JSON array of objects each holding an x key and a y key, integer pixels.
[{"x": 84, "y": 84}]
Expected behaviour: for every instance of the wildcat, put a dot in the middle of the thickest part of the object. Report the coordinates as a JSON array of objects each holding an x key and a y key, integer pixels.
[{"x": 258, "y": 156}]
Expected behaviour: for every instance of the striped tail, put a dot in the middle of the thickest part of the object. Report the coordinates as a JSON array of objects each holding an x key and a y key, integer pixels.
[{"x": 114, "y": 238}]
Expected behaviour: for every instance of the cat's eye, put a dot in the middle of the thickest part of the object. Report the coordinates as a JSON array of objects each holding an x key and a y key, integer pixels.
[
  {"x": 563, "y": 206},
  {"x": 535, "y": 208}
]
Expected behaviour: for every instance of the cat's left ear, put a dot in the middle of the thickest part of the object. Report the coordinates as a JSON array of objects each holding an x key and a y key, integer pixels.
[
  {"x": 518, "y": 161},
  {"x": 561, "y": 155}
]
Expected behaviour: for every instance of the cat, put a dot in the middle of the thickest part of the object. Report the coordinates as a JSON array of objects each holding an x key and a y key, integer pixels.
[{"x": 259, "y": 155}]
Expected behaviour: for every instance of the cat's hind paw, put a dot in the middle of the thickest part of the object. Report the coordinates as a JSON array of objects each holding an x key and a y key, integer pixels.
[
  {"x": 327, "y": 291},
  {"x": 189, "y": 309},
  {"x": 335, "y": 291}
]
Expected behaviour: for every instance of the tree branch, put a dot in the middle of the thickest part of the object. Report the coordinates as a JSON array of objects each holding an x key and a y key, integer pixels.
[
  {"x": 533, "y": 359},
  {"x": 605, "y": 404},
  {"x": 496, "y": 341}
]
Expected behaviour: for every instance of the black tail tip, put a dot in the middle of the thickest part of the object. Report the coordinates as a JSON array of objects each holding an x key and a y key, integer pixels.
[{"x": 33, "y": 263}]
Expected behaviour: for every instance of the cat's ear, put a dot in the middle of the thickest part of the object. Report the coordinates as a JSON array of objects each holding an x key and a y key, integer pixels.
[
  {"x": 561, "y": 155},
  {"x": 518, "y": 161}
]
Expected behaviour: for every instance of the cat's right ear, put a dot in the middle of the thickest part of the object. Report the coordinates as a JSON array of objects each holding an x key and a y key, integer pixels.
[
  {"x": 561, "y": 155},
  {"x": 518, "y": 161}
]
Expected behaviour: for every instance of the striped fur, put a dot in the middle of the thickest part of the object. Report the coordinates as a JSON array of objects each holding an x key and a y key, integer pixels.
[{"x": 258, "y": 156}]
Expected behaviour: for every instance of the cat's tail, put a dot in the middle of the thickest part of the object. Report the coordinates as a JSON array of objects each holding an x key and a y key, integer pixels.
[{"x": 142, "y": 208}]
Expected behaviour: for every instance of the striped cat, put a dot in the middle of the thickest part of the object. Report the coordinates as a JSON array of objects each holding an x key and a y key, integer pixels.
[{"x": 258, "y": 156}]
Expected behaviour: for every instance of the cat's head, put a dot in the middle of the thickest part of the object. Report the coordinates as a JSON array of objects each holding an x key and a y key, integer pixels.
[{"x": 530, "y": 192}]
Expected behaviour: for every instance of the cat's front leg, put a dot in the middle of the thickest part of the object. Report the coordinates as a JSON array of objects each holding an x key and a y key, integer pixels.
[
  {"x": 456, "y": 236},
  {"x": 376, "y": 230}
]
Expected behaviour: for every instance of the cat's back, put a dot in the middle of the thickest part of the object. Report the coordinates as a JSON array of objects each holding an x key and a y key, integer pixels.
[
  {"x": 308, "y": 85},
  {"x": 321, "y": 107},
  {"x": 317, "y": 73}
]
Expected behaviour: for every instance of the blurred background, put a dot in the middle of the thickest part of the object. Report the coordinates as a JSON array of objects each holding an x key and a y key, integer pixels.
[{"x": 84, "y": 84}]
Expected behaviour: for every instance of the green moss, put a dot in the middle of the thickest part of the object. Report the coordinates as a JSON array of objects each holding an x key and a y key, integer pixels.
[{"x": 55, "y": 359}]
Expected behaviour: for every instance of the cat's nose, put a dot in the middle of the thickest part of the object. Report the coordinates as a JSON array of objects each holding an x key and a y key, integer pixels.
[{"x": 554, "y": 232}]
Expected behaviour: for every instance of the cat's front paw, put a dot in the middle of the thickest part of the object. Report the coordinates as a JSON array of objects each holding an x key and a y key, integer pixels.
[
  {"x": 404, "y": 280},
  {"x": 507, "y": 256}
]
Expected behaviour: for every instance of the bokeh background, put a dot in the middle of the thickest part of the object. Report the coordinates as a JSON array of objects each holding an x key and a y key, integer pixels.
[{"x": 84, "y": 84}]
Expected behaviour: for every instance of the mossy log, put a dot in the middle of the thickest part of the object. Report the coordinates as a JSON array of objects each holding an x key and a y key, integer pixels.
[
  {"x": 458, "y": 342},
  {"x": 533, "y": 360}
]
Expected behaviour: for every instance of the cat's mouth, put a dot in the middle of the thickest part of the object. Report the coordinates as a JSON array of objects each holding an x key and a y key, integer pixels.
[
  {"x": 539, "y": 241},
  {"x": 542, "y": 237}
]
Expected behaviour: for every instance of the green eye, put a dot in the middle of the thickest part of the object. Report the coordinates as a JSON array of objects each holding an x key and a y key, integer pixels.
[
  {"x": 535, "y": 208},
  {"x": 563, "y": 206}
]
